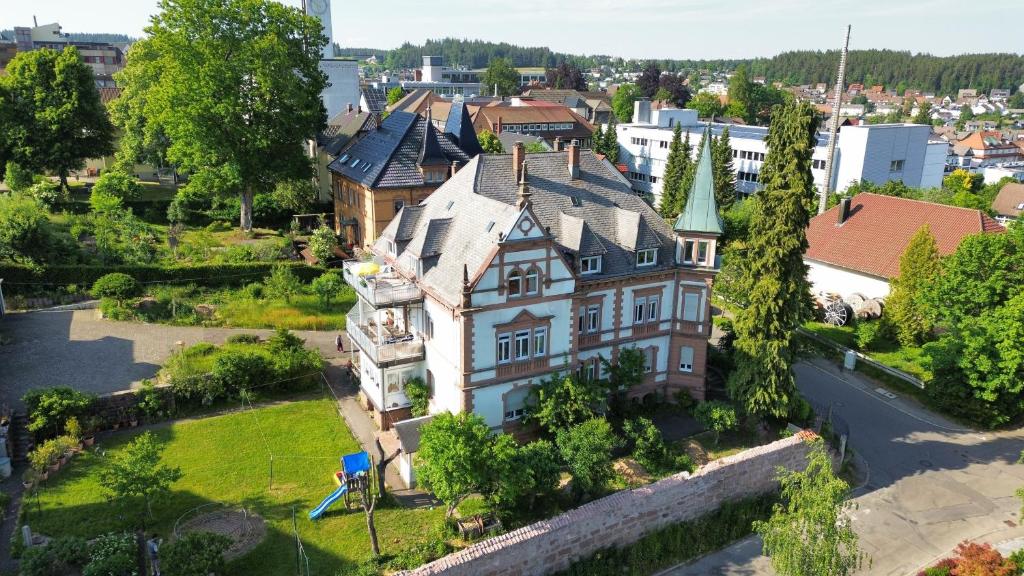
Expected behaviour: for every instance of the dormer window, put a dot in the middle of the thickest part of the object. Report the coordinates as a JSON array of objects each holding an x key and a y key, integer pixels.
[
  {"x": 648, "y": 257},
  {"x": 515, "y": 283},
  {"x": 590, "y": 265}
]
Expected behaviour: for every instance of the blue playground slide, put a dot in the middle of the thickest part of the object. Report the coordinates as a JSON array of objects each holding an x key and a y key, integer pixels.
[{"x": 319, "y": 510}]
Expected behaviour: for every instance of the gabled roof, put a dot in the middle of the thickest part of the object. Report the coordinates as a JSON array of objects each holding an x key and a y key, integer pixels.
[
  {"x": 376, "y": 99},
  {"x": 878, "y": 229},
  {"x": 1009, "y": 201},
  {"x": 342, "y": 128},
  {"x": 416, "y": 101},
  {"x": 390, "y": 156},
  {"x": 701, "y": 212},
  {"x": 459, "y": 126}
]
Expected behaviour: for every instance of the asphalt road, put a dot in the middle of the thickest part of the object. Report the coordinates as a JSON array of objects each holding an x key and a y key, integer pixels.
[{"x": 930, "y": 482}]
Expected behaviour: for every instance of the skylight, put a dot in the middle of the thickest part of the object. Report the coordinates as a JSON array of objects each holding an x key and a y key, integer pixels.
[
  {"x": 343, "y": 159},
  {"x": 355, "y": 162},
  {"x": 576, "y": 201},
  {"x": 490, "y": 225},
  {"x": 366, "y": 166},
  {"x": 450, "y": 204}
]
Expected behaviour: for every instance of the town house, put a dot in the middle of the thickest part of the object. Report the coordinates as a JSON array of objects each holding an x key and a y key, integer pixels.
[{"x": 521, "y": 266}]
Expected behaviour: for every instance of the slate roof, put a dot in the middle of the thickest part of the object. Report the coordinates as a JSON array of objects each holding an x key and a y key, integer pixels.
[
  {"x": 701, "y": 212},
  {"x": 458, "y": 225},
  {"x": 376, "y": 99},
  {"x": 342, "y": 128},
  {"x": 459, "y": 126},
  {"x": 389, "y": 156},
  {"x": 878, "y": 229},
  {"x": 1009, "y": 201}
]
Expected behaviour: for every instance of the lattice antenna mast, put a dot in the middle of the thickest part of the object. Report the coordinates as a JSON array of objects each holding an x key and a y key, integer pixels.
[{"x": 837, "y": 102}]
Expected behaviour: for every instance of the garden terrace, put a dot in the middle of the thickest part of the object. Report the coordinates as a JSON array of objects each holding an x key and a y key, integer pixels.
[
  {"x": 384, "y": 344},
  {"x": 380, "y": 289}
]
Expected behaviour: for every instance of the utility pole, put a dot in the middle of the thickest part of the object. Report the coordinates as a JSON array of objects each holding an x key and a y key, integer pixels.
[{"x": 837, "y": 102}]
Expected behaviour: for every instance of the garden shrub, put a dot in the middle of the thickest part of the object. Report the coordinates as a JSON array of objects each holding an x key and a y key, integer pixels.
[
  {"x": 327, "y": 286},
  {"x": 104, "y": 203},
  {"x": 869, "y": 333},
  {"x": 587, "y": 450},
  {"x": 28, "y": 238},
  {"x": 49, "y": 408},
  {"x": 195, "y": 554},
  {"x": 418, "y": 393},
  {"x": 117, "y": 184},
  {"x": 235, "y": 370},
  {"x": 48, "y": 192},
  {"x": 243, "y": 339},
  {"x": 17, "y": 178},
  {"x": 117, "y": 285},
  {"x": 648, "y": 446},
  {"x": 322, "y": 244},
  {"x": 282, "y": 283},
  {"x": 112, "y": 555},
  {"x": 716, "y": 416},
  {"x": 522, "y": 476}
]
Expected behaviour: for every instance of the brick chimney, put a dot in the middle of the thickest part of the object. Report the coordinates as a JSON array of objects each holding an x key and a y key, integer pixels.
[
  {"x": 499, "y": 128},
  {"x": 844, "y": 211},
  {"x": 574, "y": 159},
  {"x": 558, "y": 143},
  {"x": 518, "y": 156},
  {"x": 418, "y": 75},
  {"x": 455, "y": 166}
]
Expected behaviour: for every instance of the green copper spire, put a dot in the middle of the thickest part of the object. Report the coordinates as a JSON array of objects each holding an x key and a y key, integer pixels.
[{"x": 701, "y": 212}]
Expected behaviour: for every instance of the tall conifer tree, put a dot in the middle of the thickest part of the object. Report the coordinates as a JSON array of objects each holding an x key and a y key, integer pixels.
[
  {"x": 904, "y": 309},
  {"x": 690, "y": 171},
  {"x": 611, "y": 143},
  {"x": 725, "y": 177},
  {"x": 597, "y": 142},
  {"x": 674, "y": 166},
  {"x": 772, "y": 269}
]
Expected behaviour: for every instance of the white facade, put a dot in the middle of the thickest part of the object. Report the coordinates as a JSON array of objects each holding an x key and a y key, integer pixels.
[
  {"x": 876, "y": 153},
  {"x": 342, "y": 75},
  {"x": 829, "y": 279}
]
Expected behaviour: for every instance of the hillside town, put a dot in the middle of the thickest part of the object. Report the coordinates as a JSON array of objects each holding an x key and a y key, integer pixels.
[{"x": 272, "y": 304}]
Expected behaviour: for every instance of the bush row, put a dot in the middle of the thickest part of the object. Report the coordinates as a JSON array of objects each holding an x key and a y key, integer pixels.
[
  {"x": 678, "y": 542},
  {"x": 25, "y": 280}
]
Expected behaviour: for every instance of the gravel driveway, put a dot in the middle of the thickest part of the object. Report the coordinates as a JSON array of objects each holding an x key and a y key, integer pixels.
[{"x": 78, "y": 349}]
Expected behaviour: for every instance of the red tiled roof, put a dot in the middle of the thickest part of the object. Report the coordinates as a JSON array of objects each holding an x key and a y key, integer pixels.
[
  {"x": 109, "y": 94},
  {"x": 878, "y": 229}
]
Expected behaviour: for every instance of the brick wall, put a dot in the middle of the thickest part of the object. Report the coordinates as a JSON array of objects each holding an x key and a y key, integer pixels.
[{"x": 623, "y": 517}]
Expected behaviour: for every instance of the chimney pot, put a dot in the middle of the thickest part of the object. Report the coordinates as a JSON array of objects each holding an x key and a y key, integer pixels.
[
  {"x": 558, "y": 143},
  {"x": 518, "y": 156},
  {"x": 574, "y": 159},
  {"x": 455, "y": 167},
  {"x": 844, "y": 211},
  {"x": 349, "y": 110}
]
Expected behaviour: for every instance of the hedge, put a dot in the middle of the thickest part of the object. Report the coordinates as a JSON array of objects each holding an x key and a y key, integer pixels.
[{"x": 24, "y": 280}]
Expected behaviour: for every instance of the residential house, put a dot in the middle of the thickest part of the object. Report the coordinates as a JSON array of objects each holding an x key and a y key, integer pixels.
[
  {"x": 536, "y": 118},
  {"x": 103, "y": 58},
  {"x": 855, "y": 247},
  {"x": 1009, "y": 203},
  {"x": 522, "y": 266},
  {"x": 342, "y": 131},
  {"x": 985, "y": 148},
  {"x": 398, "y": 164},
  {"x": 594, "y": 106}
]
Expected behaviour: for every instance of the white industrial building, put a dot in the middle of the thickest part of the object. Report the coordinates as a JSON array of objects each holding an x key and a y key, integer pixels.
[
  {"x": 875, "y": 153},
  {"x": 342, "y": 73}
]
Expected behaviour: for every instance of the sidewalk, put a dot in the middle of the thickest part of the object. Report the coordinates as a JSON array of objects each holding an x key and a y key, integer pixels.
[{"x": 366, "y": 432}]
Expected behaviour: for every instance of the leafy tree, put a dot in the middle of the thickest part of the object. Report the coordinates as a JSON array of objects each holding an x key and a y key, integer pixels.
[
  {"x": 610, "y": 145},
  {"x": 649, "y": 80},
  {"x": 648, "y": 445},
  {"x": 395, "y": 94},
  {"x": 772, "y": 272},
  {"x": 327, "y": 286},
  {"x": 716, "y": 416},
  {"x": 418, "y": 393},
  {"x": 116, "y": 285},
  {"x": 626, "y": 372},
  {"x": 196, "y": 554},
  {"x": 56, "y": 120},
  {"x": 454, "y": 457},
  {"x": 809, "y": 533},
  {"x": 904, "y": 310},
  {"x": 49, "y": 409},
  {"x": 490, "y": 143},
  {"x": 119, "y": 184},
  {"x": 500, "y": 75},
  {"x": 101, "y": 202},
  {"x": 521, "y": 474},
  {"x": 706, "y": 104},
  {"x": 662, "y": 95},
  {"x": 963, "y": 181},
  {"x": 17, "y": 178},
  {"x": 676, "y": 165},
  {"x": 238, "y": 123},
  {"x": 587, "y": 449},
  {"x": 622, "y": 102},
  {"x": 1016, "y": 102},
  {"x": 283, "y": 283},
  {"x": 725, "y": 176},
  {"x": 26, "y": 234},
  {"x": 966, "y": 113},
  {"x": 295, "y": 195},
  {"x": 322, "y": 244},
  {"x": 135, "y": 471},
  {"x": 535, "y": 147},
  {"x": 924, "y": 115},
  {"x": 564, "y": 400},
  {"x": 671, "y": 85},
  {"x": 566, "y": 76}
]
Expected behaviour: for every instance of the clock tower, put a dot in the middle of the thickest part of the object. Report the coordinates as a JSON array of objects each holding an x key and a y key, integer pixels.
[{"x": 322, "y": 9}]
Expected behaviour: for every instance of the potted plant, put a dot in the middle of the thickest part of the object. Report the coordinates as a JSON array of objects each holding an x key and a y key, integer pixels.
[
  {"x": 29, "y": 478},
  {"x": 133, "y": 416},
  {"x": 73, "y": 431},
  {"x": 92, "y": 425}
]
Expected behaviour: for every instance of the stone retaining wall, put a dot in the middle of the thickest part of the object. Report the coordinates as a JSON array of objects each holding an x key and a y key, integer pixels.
[{"x": 624, "y": 517}]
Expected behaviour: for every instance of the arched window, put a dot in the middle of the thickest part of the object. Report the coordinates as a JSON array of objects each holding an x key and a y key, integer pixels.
[
  {"x": 515, "y": 283},
  {"x": 532, "y": 281}
]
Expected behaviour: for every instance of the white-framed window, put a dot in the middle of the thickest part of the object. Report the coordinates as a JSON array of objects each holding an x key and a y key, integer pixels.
[
  {"x": 522, "y": 344},
  {"x": 593, "y": 318},
  {"x": 428, "y": 324},
  {"x": 590, "y": 265},
  {"x": 688, "y": 252},
  {"x": 515, "y": 403},
  {"x": 504, "y": 348},
  {"x": 590, "y": 369},
  {"x": 703, "y": 250},
  {"x": 581, "y": 319},
  {"x": 648, "y": 257},
  {"x": 649, "y": 359},
  {"x": 691, "y": 305},
  {"x": 540, "y": 341},
  {"x": 515, "y": 283},
  {"x": 638, "y": 310},
  {"x": 686, "y": 359},
  {"x": 532, "y": 281},
  {"x": 653, "y": 312}
]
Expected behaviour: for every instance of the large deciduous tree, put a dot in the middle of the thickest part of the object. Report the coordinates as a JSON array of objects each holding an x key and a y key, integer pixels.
[
  {"x": 234, "y": 86},
  {"x": 772, "y": 271},
  {"x": 904, "y": 309},
  {"x": 706, "y": 104},
  {"x": 501, "y": 76},
  {"x": 649, "y": 80},
  {"x": 622, "y": 102},
  {"x": 809, "y": 533},
  {"x": 453, "y": 457},
  {"x": 566, "y": 76},
  {"x": 53, "y": 117}
]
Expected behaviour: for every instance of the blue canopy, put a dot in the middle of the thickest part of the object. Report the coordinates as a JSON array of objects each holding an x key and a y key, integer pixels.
[{"x": 356, "y": 463}]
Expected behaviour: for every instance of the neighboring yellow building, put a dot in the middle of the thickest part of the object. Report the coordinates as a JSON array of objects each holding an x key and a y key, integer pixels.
[{"x": 398, "y": 164}]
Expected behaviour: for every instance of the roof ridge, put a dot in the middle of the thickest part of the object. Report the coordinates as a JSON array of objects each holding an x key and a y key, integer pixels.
[{"x": 920, "y": 201}]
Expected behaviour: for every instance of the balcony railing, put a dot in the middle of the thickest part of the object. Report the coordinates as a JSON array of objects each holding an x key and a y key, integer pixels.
[
  {"x": 384, "y": 345},
  {"x": 522, "y": 367},
  {"x": 380, "y": 289}
]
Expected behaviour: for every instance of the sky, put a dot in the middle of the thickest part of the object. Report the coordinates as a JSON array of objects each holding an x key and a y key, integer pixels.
[{"x": 696, "y": 29}]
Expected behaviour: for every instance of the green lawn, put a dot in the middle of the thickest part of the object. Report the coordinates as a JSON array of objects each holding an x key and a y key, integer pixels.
[
  {"x": 225, "y": 459},
  {"x": 304, "y": 312},
  {"x": 909, "y": 359}
]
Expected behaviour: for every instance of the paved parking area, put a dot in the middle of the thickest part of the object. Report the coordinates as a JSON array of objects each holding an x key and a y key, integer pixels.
[{"x": 81, "y": 350}]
